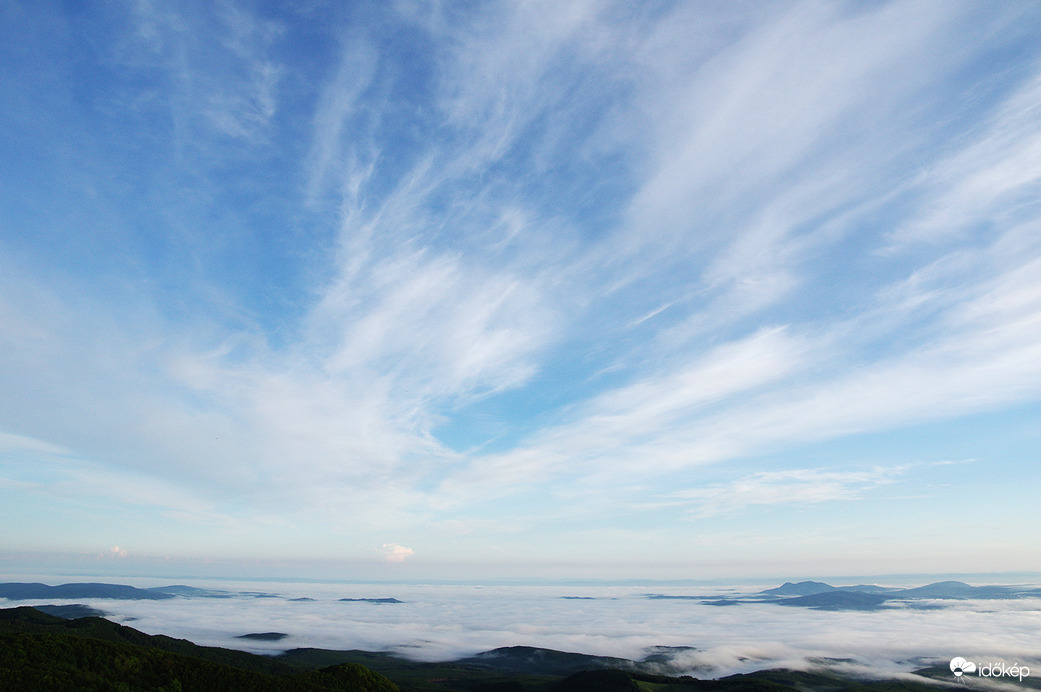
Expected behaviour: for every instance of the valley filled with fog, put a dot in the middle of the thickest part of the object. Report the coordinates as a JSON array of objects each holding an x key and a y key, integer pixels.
[{"x": 683, "y": 628}]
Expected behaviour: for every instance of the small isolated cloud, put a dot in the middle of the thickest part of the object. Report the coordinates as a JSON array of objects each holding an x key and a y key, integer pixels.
[
  {"x": 116, "y": 551},
  {"x": 395, "y": 552}
]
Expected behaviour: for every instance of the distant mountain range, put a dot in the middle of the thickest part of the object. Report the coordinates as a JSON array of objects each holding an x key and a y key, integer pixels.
[
  {"x": 821, "y": 596},
  {"x": 17, "y": 591},
  {"x": 805, "y": 594},
  {"x": 809, "y": 588},
  {"x": 23, "y": 592}
]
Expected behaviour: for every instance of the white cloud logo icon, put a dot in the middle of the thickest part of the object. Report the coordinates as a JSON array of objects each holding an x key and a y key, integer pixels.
[{"x": 959, "y": 665}]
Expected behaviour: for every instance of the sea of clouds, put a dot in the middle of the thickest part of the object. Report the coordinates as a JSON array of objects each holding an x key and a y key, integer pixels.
[{"x": 443, "y": 622}]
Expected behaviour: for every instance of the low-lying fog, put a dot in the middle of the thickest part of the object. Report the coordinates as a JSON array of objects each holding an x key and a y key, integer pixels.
[{"x": 446, "y": 622}]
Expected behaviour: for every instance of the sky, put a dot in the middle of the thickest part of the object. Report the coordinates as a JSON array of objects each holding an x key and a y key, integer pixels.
[{"x": 416, "y": 289}]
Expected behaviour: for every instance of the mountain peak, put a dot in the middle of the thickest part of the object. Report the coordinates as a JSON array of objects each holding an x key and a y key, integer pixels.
[{"x": 803, "y": 588}]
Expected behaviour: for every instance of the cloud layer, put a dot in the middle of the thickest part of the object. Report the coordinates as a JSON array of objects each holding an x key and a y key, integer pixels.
[{"x": 446, "y": 622}]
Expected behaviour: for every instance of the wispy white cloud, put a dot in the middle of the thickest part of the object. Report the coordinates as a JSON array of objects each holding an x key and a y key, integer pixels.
[
  {"x": 791, "y": 487},
  {"x": 776, "y": 110},
  {"x": 333, "y": 119},
  {"x": 990, "y": 182},
  {"x": 444, "y": 327},
  {"x": 633, "y": 425},
  {"x": 233, "y": 92},
  {"x": 966, "y": 318},
  {"x": 13, "y": 444},
  {"x": 47, "y": 470}
]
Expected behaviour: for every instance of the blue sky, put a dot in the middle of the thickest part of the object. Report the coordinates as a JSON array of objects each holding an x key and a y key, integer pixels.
[{"x": 585, "y": 288}]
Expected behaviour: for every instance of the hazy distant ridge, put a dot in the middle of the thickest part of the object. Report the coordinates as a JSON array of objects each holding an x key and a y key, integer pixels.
[
  {"x": 806, "y": 594},
  {"x": 18, "y": 591},
  {"x": 22, "y": 591},
  {"x": 823, "y": 596}
]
